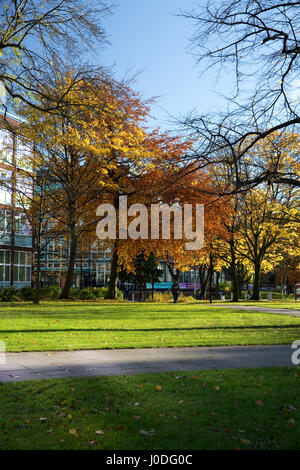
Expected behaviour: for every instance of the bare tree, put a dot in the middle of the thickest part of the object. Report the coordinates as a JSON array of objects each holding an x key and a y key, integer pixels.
[
  {"x": 260, "y": 42},
  {"x": 36, "y": 35}
]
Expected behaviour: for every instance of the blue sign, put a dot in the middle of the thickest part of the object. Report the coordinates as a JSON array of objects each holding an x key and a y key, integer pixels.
[{"x": 160, "y": 285}]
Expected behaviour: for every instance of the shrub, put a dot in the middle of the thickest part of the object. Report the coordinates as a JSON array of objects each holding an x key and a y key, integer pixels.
[
  {"x": 8, "y": 294},
  {"x": 119, "y": 294},
  {"x": 163, "y": 297},
  {"x": 50, "y": 293},
  {"x": 87, "y": 294},
  {"x": 27, "y": 293},
  {"x": 167, "y": 297}
]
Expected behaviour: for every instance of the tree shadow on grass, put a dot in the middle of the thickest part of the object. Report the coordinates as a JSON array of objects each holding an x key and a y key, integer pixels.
[{"x": 129, "y": 330}]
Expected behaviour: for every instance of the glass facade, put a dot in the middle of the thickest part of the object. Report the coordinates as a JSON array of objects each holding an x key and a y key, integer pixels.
[
  {"x": 15, "y": 231},
  {"x": 5, "y": 226},
  {"x": 23, "y": 235},
  {"x": 5, "y": 256},
  {"x": 22, "y": 269},
  {"x": 6, "y": 146},
  {"x": 5, "y": 187}
]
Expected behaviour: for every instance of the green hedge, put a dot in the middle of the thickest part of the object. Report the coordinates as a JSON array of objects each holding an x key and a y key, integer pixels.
[{"x": 10, "y": 294}]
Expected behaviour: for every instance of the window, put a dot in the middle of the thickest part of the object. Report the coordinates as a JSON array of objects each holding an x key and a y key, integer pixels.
[
  {"x": 4, "y": 267},
  {"x": 22, "y": 231},
  {"x": 5, "y": 187},
  {"x": 5, "y": 227},
  {"x": 24, "y": 191},
  {"x": 6, "y": 146},
  {"x": 22, "y": 267},
  {"x": 23, "y": 154}
]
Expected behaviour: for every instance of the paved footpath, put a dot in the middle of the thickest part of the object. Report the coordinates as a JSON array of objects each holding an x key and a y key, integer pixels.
[
  {"x": 282, "y": 311},
  {"x": 60, "y": 364}
]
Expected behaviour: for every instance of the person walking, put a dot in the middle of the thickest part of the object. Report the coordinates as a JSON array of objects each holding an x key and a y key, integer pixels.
[{"x": 175, "y": 292}]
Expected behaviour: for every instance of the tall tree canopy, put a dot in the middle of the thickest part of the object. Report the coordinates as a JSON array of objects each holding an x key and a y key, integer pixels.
[
  {"x": 259, "y": 42},
  {"x": 37, "y": 35}
]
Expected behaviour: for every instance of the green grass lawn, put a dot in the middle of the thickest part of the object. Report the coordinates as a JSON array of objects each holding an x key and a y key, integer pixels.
[
  {"x": 229, "y": 409},
  {"x": 289, "y": 304},
  {"x": 92, "y": 325}
]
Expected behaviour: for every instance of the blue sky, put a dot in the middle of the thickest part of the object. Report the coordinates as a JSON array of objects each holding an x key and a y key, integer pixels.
[{"x": 146, "y": 36}]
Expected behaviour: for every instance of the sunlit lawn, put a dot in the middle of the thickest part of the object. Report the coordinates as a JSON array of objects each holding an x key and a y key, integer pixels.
[
  {"x": 289, "y": 304},
  {"x": 91, "y": 325},
  {"x": 230, "y": 409}
]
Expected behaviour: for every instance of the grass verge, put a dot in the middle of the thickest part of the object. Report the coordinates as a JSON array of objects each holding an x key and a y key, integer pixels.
[
  {"x": 90, "y": 325},
  {"x": 229, "y": 409}
]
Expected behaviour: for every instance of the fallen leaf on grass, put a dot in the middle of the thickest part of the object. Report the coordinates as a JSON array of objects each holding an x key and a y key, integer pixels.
[
  {"x": 158, "y": 388},
  {"x": 259, "y": 403},
  {"x": 246, "y": 441},
  {"x": 147, "y": 433}
]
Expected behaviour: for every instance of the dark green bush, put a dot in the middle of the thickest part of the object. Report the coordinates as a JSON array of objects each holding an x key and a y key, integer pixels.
[
  {"x": 92, "y": 293},
  {"x": 50, "y": 293},
  {"x": 8, "y": 294},
  {"x": 87, "y": 294},
  {"x": 27, "y": 293}
]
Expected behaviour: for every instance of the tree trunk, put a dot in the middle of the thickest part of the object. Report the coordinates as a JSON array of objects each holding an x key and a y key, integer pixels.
[
  {"x": 234, "y": 277},
  {"x": 204, "y": 278},
  {"x": 211, "y": 271},
  {"x": 256, "y": 282},
  {"x": 70, "y": 273},
  {"x": 113, "y": 279},
  {"x": 218, "y": 282},
  {"x": 36, "y": 299}
]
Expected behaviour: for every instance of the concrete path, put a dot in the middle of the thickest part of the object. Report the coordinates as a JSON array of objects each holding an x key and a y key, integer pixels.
[
  {"x": 59, "y": 364},
  {"x": 282, "y": 311}
]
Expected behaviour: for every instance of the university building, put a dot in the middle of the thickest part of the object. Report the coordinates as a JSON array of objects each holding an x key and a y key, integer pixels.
[{"x": 16, "y": 251}]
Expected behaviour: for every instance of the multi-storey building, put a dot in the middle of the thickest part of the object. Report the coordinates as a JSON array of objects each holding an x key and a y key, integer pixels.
[{"x": 15, "y": 234}]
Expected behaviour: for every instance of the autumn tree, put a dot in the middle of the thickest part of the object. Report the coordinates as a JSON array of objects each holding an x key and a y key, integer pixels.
[
  {"x": 74, "y": 145},
  {"x": 169, "y": 188},
  {"x": 264, "y": 230}
]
